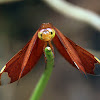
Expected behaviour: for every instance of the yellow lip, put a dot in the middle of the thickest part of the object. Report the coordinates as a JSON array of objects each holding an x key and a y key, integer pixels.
[{"x": 46, "y": 37}]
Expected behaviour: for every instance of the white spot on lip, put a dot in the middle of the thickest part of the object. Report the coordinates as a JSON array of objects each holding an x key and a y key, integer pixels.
[
  {"x": 46, "y": 31},
  {"x": 5, "y": 79},
  {"x": 49, "y": 29},
  {"x": 3, "y": 69}
]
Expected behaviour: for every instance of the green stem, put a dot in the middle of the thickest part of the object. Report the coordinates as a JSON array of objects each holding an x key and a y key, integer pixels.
[{"x": 46, "y": 75}]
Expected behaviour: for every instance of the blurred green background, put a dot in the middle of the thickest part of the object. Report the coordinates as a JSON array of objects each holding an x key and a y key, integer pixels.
[{"x": 19, "y": 20}]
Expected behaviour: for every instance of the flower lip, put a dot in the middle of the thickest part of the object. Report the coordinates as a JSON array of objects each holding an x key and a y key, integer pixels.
[{"x": 46, "y": 34}]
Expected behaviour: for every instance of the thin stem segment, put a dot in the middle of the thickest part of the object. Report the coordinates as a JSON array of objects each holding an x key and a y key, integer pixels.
[{"x": 46, "y": 75}]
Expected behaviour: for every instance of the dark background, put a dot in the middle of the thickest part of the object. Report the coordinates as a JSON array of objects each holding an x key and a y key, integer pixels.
[{"x": 18, "y": 23}]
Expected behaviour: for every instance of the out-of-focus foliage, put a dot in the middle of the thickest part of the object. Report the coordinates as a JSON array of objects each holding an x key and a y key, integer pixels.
[{"x": 8, "y": 1}]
